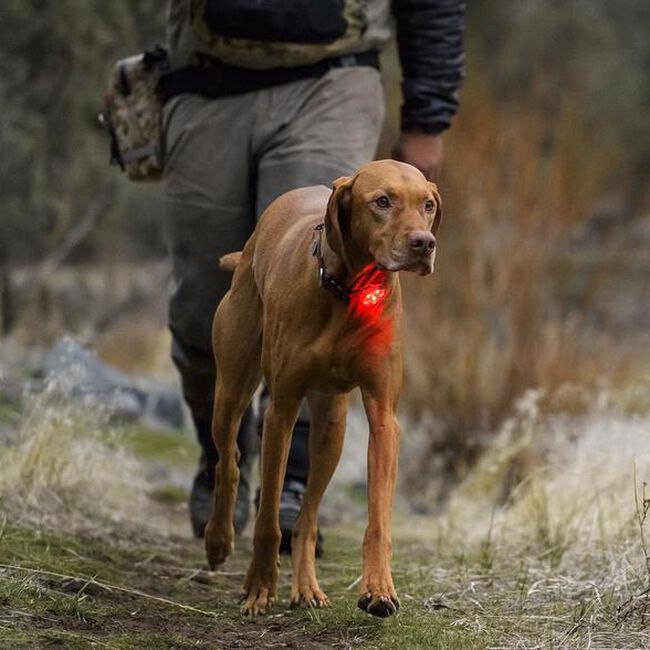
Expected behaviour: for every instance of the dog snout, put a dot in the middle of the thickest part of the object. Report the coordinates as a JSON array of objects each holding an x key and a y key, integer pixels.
[{"x": 421, "y": 241}]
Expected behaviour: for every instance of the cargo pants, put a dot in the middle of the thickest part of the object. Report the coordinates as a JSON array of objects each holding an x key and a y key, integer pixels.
[{"x": 226, "y": 160}]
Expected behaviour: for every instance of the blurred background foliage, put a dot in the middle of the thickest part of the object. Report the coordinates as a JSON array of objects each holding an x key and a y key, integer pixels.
[
  {"x": 54, "y": 63},
  {"x": 542, "y": 267},
  {"x": 55, "y": 58}
]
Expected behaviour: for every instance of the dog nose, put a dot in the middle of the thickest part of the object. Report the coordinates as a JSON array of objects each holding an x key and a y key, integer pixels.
[{"x": 422, "y": 241}]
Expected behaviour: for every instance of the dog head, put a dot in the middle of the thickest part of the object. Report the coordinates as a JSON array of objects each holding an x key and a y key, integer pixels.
[{"x": 387, "y": 212}]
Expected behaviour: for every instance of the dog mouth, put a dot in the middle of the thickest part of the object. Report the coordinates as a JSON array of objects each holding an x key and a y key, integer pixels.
[{"x": 422, "y": 265}]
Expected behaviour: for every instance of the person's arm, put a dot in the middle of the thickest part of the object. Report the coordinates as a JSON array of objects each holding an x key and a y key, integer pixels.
[{"x": 430, "y": 42}]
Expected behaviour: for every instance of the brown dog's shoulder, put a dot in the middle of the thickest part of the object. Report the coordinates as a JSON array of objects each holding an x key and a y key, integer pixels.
[{"x": 230, "y": 261}]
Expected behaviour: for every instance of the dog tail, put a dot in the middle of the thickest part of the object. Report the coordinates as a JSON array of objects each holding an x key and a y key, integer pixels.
[{"x": 230, "y": 261}]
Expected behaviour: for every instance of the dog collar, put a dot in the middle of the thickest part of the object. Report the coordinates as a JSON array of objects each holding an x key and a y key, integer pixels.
[
  {"x": 331, "y": 284},
  {"x": 326, "y": 279}
]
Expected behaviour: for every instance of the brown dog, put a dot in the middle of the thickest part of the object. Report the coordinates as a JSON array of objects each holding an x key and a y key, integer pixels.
[{"x": 316, "y": 309}]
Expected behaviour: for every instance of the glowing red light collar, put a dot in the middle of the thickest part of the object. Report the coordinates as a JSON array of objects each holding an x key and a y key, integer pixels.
[{"x": 373, "y": 292}]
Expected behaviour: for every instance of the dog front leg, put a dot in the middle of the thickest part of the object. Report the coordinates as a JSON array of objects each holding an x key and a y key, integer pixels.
[
  {"x": 377, "y": 593},
  {"x": 260, "y": 586},
  {"x": 325, "y": 444}
]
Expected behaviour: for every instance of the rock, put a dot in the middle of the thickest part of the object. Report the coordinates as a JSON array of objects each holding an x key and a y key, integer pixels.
[{"x": 75, "y": 373}]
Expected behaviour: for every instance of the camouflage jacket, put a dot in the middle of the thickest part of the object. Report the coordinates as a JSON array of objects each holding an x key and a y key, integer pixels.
[{"x": 429, "y": 35}]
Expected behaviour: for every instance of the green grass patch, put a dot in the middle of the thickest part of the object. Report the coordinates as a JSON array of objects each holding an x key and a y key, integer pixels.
[
  {"x": 9, "y": 411},
  {"x": 169, "y": 494},
  {"x": 141, "y": 591},
  {"x": 176, "y": 449}
]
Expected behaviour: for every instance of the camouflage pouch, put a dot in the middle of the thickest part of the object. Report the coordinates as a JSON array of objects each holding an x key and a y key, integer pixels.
[{"x": 133, "y": 114}]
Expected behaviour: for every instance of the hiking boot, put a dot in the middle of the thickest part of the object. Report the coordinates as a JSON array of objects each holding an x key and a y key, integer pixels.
[
  {"x": 202, "y": 497},
  {"x": 293, "y": 493}
]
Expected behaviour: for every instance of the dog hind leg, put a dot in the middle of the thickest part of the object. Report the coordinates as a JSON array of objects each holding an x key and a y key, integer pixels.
[{"x": 237, "y": 336}]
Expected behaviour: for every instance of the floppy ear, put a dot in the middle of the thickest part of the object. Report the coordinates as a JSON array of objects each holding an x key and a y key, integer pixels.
[
  {"x": 337, "y": 216},
  {"x": 438, "y": 216}
]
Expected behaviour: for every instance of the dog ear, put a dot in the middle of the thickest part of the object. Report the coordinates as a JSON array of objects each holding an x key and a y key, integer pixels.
[
  {"x": 438, "y": 216},
  {"x": 337, "y": 215}
]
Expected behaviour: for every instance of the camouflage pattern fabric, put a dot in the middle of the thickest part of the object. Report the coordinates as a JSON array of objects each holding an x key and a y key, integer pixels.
[{"x": 134, "y": 109}]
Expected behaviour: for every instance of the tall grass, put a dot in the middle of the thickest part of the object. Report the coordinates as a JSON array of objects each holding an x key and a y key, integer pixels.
[
  {"x": 65, "y": 467},
  {"x": 502, "y": 314}
]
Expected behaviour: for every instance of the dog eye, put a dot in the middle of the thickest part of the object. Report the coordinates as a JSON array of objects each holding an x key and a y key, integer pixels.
[
  {"x": 383, "y": 202},
  {"x": 428, "y": 206}
]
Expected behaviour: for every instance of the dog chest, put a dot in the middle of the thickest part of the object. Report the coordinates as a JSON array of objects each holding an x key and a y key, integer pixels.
[{"x": 340, "y": 364}]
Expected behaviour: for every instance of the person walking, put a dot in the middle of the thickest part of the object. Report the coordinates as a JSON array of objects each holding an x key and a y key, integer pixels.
[{"x": 265, "y": 96}]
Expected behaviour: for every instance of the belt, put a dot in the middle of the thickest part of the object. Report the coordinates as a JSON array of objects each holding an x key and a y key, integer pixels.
[{"x": 217, "y": 79}]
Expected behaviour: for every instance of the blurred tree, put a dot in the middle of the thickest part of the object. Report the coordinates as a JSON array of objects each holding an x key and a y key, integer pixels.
[{"x": 54, "y": 62}]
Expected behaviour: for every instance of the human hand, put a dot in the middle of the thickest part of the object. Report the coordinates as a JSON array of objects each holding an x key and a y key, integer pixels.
[{"x": 422, "y": 150}]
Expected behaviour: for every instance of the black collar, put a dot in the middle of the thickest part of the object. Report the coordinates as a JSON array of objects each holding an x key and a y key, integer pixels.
[{"x": 327, "y": 280}]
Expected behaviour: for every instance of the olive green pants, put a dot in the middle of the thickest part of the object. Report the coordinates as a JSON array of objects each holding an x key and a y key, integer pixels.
[{"x": 226, "y": 160}]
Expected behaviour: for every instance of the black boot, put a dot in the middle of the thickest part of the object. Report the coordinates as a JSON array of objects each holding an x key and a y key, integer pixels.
[{"x": 293, "y": 493}]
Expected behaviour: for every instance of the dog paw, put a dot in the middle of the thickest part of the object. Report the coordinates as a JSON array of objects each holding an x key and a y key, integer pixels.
[
  {"x": 258, "y": 592},
  {"x": 219, "y": 544},
  {"x": 257, "y": 600},
  {"x": 379, "y": 604},
  {"x": 309, "y": 598}
]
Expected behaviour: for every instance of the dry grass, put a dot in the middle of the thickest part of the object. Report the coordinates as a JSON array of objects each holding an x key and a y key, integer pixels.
[
  {"x": 576, "y": 476},
  {"x": 502, "y": 314},
  {"x": 66, "y": 464}
]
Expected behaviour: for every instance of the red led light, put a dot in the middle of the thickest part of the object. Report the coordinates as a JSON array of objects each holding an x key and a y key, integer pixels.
[
  {"x": 368, "y": 296},
  {"x": 373, "y": 296}
]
